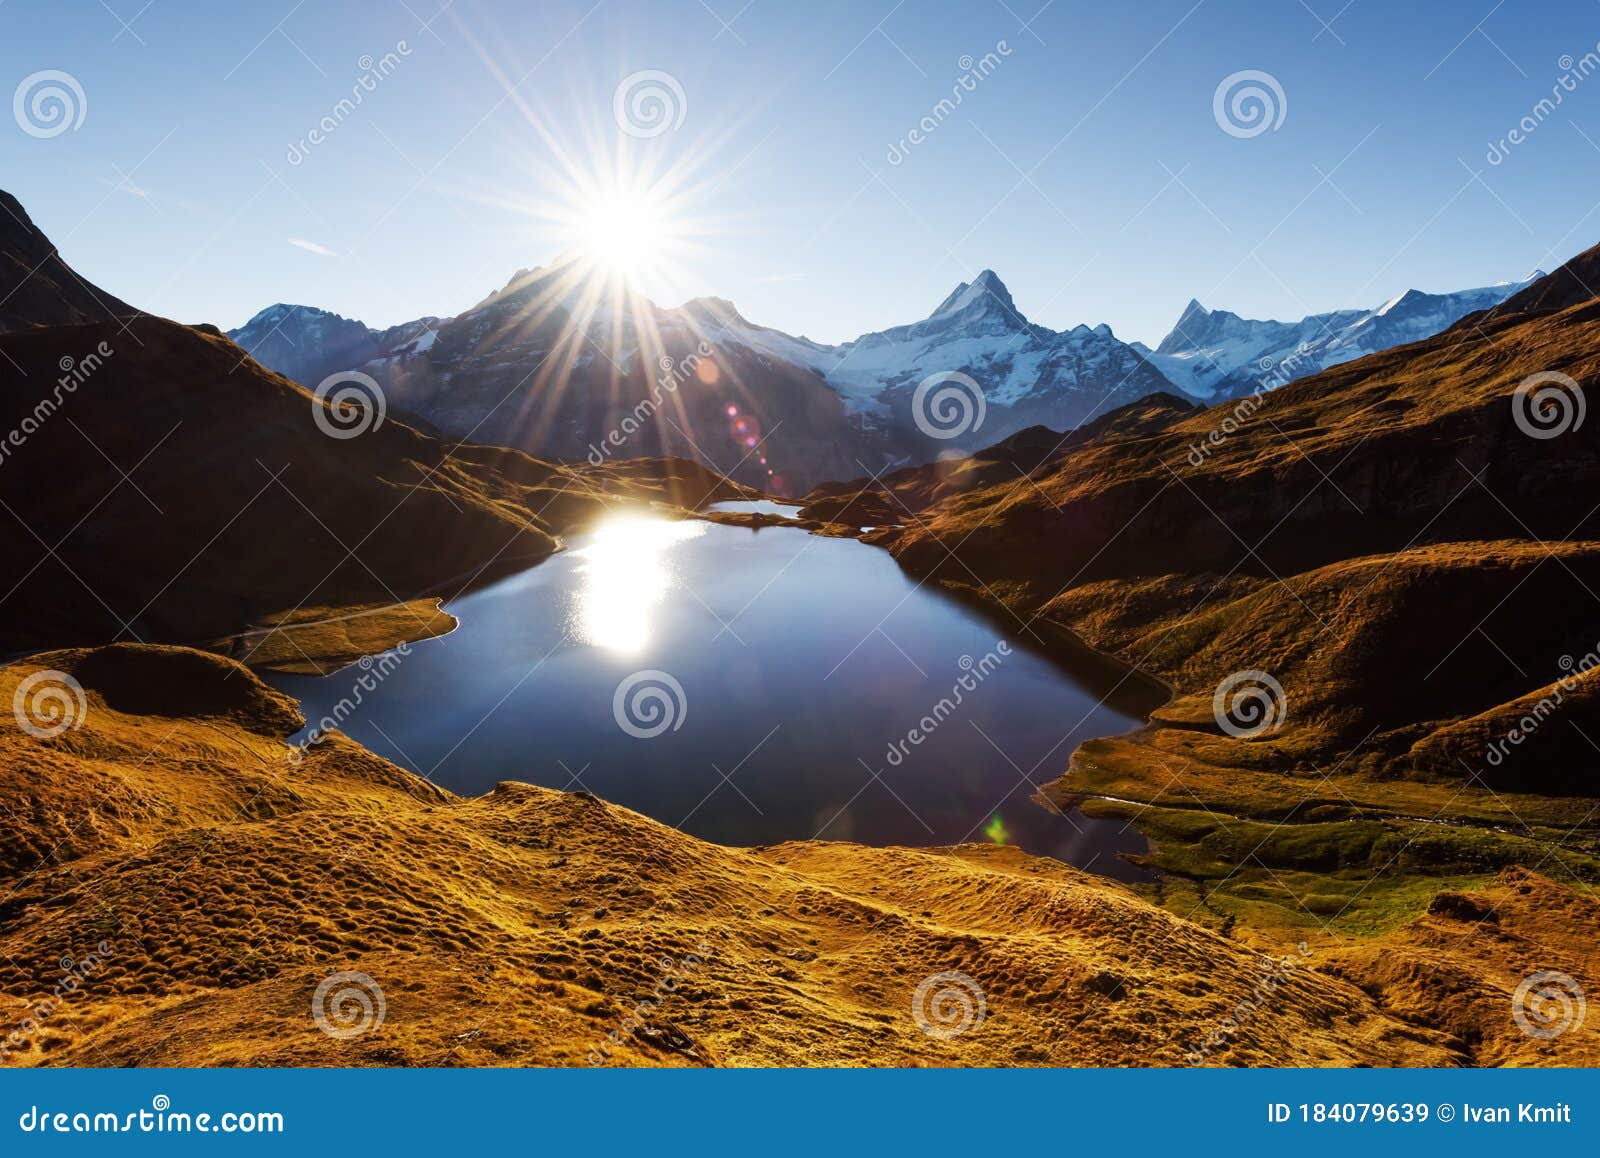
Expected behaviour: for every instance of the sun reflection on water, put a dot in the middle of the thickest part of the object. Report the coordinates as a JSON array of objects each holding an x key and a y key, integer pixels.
[{"x": 626, "y": 573}]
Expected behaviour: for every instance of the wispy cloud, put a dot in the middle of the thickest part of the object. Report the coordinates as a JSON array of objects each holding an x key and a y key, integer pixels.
[
  {"x": 128, "y": 187},
  {"x": 312, "y": 247},
  {"x": 160, "y": 202}
]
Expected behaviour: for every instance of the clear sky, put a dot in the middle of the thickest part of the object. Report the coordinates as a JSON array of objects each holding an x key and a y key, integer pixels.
[{"x": 1088, "y": 168}]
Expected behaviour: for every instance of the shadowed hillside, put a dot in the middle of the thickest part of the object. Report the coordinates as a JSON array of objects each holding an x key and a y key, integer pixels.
[
  {"x": 180, "y": 492},
  {"x": 162, "y": 485},
  {"x": 37, "y": 288}
]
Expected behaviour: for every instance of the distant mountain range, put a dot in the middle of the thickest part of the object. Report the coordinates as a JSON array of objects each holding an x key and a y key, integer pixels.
[
  {"x": 1214, "y": 354},
  {"x": 554, "y": 364}
]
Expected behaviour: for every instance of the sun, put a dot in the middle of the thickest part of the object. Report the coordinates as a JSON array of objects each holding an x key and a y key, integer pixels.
[{"x": 628, "y": 235}]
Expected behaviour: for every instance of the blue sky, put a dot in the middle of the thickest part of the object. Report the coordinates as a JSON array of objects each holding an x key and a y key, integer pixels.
[{"x": 1088, "y": 168}]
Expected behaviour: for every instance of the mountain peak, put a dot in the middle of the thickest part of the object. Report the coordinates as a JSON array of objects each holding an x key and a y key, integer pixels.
[
  {"x": 1191, "y": 324},
  {"x": 282, "y": 311},
  {"x": 719, "y": 310},
  {"x": 984, "y": 293}
]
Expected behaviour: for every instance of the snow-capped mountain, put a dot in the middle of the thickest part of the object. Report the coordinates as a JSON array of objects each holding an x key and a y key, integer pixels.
[
  {"x": 1029, "y": 375},
  {"x": 308, "y": 344},
  {"x": 563, "y": 363},
  {"x": 1213, "y": 354},
  {"x": 553, "y": 362}
]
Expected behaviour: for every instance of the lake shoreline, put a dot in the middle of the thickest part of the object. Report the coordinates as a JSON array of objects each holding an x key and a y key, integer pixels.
[{"x": 1010, "y": 812}]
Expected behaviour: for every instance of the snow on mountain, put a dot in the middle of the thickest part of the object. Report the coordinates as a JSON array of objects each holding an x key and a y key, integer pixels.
[
  {"x": 556, "y": 360},
  {"x": 308, "y": 344},
  {"x": 1028, "y": 374},
  {"x": 1213, "y": 354}
]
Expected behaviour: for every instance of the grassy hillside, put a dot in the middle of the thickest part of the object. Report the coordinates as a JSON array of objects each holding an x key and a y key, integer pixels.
[{"x": 218, "y": 885}]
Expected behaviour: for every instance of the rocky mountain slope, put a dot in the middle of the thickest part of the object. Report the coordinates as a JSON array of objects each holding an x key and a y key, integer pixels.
[{"x": 308, "y": 344}]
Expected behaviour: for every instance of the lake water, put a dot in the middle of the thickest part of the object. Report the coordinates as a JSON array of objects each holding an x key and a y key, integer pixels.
[
  {"x": 758, "y": 507},
  {"x": 746, "y": 686}
]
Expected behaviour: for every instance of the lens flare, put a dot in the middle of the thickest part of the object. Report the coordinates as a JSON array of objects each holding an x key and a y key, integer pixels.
[{"x": 626, "y": 234}]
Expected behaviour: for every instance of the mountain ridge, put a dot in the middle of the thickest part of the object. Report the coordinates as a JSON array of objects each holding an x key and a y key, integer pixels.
[
  {"x": 492, "y": 380},
  {"x": 1215, "y": 353},
  {"x": 37, "y": 287}
]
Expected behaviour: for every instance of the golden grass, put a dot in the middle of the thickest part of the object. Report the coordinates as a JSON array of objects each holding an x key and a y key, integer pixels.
[{"x": 525, "y": 926}]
